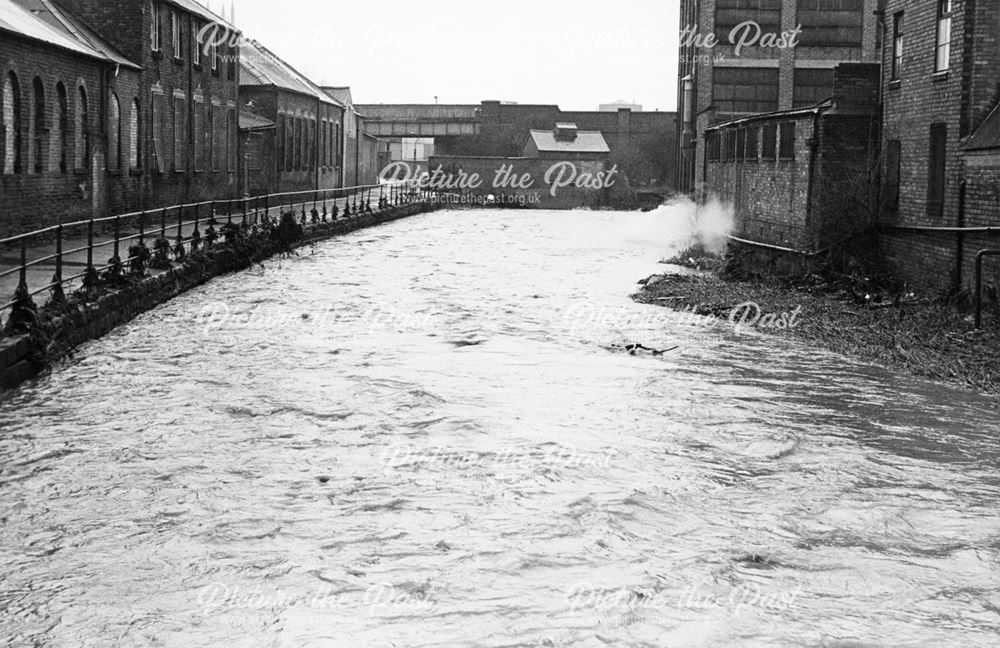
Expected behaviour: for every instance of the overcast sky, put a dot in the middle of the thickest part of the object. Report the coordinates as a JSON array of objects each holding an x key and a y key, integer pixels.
[{"x": 575, "y": 54}]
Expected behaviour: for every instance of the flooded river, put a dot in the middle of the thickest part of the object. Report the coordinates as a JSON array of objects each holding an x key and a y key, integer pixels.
[{"x": 428, "y": 434}]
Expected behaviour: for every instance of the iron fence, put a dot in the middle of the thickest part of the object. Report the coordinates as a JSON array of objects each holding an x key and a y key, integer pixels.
[{"x": 176, "y": 230}]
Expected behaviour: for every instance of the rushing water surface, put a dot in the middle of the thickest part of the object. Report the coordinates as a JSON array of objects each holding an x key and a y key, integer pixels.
[{"x": 424, "y": 434}]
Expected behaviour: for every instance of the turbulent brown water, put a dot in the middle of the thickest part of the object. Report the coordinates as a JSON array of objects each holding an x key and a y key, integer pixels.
[{"x": 425, "y": 435}]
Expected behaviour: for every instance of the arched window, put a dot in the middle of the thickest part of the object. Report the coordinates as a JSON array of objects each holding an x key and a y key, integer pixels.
[
  {"x": 114, "y": 134},
  {"x": 11, "y": 125},
  {"x": 133, "y": 136},
  {"x": 62, "y": 126},
  {"x": 41, "y": 128},
  {"x": 81, "y": 159}
]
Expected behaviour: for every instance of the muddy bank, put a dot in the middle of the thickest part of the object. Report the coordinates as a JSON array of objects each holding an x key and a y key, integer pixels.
[{"x": 926, "y": 338}]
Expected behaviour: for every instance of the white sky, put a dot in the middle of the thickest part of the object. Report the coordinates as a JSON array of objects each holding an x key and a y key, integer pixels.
[{"x": 575, "y": 54}]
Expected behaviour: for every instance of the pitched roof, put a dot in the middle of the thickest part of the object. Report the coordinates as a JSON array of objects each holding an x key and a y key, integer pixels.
[
  {"x": 261, "y": 67},
  {"x": 70, "y": 26},
  {"x": 252, "y": 122},
  {"x": 199, "y": 10},
  {"x": 341, "y": 94},
  {"x": 585, "y": 142},
  {"x": 987, "y": 136},
  {"x": 38, "y": 21}
]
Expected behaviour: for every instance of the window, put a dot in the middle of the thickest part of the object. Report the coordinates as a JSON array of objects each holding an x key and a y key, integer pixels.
[
  {"x": 890, "y": 188},
  {"x": 231, "y": 131},
  {"x": 786, "y": 147},
  {"x": 897, "y": 46},
  {"x": 731, "y": 13},
  {"x": 198, "y": 135},
  {"x": 769, "y": 148},
  {"x": 712, "y": 146},
  {"x": 936, "y": 169},
  {"x": 279, "y": 136},
  {"x": 831, "y": 23},
  {"x": 213, "y": 137},
  {"x": 338, "y": 143},
  {"x": 745, "y": 90},
  {"x": 741, "y": 144},
  {"x": 81, "y": 158},
  {"x": 158, "y": 116},
  {"x": 40, "y": 124},
  {"x": 751, "y": 145},
  {"x": 195, "y": 43},
  {"x": 62, "y": 128},
  {"x": 322, "y": 148},
  {"x": 11, "y": 130},
  {"x": 154, "y": 35},
  {"x": 180, "y": 134},
  {"x": 942, "y": 57},
  {"x": 289, "y": 143},
  {"x": 297, "y": 164},
  {"x": 255, "y": 151},
  {"x": 134, "y": 152},
  {"x": 811, "y": 86},
  {"x": 114, "y": 134},
  {"x": 175, "y": 35}
]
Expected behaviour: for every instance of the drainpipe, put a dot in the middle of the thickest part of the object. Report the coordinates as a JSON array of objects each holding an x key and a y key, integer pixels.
[{"x": 687, "y": 135}]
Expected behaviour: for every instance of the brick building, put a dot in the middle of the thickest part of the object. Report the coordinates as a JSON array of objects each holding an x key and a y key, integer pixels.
[
  {"x": 745, "y": 57},
  {"x": 642, "y": 144},
  {"x": 304, "y": 151},
  {"x": 802, "y": 181},
  {"x": 186, "y": 94},
  {"x": 941, "y": 176},
  {"x": 361, "y": 151},
  {"x": 68, "y": 120}
]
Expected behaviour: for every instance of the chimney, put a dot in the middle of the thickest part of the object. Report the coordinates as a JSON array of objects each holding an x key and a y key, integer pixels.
[{"x": 566, "y": 132}]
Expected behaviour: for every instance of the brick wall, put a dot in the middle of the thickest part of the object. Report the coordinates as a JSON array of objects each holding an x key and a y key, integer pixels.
[
  {"x": 127, "y": 24},
  {"x": 565, "y": 198},
  {"x": 280, "y": 172},
  {"x": 957, "y": 98},
  {"x": 643, "y": 144},
  {"x": 701, "y": 63},
  {"x": 31, "y": 200}
]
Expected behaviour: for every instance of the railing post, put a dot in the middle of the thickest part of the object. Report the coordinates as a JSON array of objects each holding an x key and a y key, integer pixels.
[
  {"x": 163, "y": 224},
  {"x": 57, "y": 290},
  {"x": 117, "y": 236},
  {"x": 90, "y": 245},
  {"x": 142, "y": 228},
  {"x": 23, "y": 275}
]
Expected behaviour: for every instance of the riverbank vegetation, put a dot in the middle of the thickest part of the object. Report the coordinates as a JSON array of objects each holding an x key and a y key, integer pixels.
[{"x": 931, "y": 338}]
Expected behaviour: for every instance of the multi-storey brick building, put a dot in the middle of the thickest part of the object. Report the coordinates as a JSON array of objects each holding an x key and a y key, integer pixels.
[
  {"x": 186, "y": 94},
  {"x": 745, "y": 57},
  {"x": 68, "y": 119},
  {"x": 303, "y": 151},
  {"x": 941, "y": 149}
]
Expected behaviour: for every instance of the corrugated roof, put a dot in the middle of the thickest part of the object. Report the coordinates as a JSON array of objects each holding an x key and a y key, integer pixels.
[
  {"x": 987, "y": 136},
  {"x": 261, "y": 67},
  {"x": 15, "y": 18},
  {"x": 70, "y": 26},
  {"x": 585, "y": 142}
]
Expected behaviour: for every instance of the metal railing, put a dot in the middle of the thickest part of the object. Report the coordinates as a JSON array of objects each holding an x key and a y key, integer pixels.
[{"x": 180, "y": 225}]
